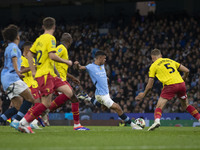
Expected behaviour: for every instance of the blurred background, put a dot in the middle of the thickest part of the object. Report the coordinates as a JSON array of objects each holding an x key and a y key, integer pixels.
[{"x": 127, "y": 30}]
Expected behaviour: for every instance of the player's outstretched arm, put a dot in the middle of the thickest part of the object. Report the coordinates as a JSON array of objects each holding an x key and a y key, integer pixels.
[
  {"x": 56, "y": 58},
  {"x": 73, "y": 78},
  {"x": 185, "y": 70},
  {"x": 147, "y": 89},
  {"x": 78, "y": 66},
  {"x": 31, "y": 63}
]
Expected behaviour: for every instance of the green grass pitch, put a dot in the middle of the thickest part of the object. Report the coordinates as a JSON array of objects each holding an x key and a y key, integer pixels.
[{"x": 101, "y": 138}]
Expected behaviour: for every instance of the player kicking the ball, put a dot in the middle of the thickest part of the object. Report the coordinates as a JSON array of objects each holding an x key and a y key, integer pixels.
[
  {"x": 167, "y": 71},
  {"x": 98, "y": 75}
]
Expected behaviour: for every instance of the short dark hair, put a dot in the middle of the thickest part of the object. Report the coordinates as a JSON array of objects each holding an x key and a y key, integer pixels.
[
  {"x": 10, "y": 33},
  {"x": 66, "y": 37},
  {"x": 155, "y": 52},
  {"x": 49, "y": 22},
  {"x": 100, "y": 53},
  {"x": 27, "y": 43}
]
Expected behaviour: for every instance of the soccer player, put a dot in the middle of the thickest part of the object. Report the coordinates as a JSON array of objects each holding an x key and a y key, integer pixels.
[
  {"x": 10, "y": 75},
  {"x": 31, "y": 83},
  {"x": 45, "y": 49},
  {"x": 62, "y": 51},
  {"x": 167, "y": 71},
  {"x": 98, "y": 75}
]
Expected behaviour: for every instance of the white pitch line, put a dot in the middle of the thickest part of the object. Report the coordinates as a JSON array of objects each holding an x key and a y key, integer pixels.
[{"x": 144, "y": 147}]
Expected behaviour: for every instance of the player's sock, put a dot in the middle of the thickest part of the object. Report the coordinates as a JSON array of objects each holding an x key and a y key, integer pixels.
[
  {"x": 75, "y": 111},
  {"x": 193, "y": 112},
  {"x": 60, "y": 100},
  {"x": 158, "y": 114},
  {"x": 34, "y": 112},
  {"x": 8, "y": 114},
  {"x": 95, "y": 102},
  {"x": 125, "y": 118},
  {"x": 23, "y": 110}
]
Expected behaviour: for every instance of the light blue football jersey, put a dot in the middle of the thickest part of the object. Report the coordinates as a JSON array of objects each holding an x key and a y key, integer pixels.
[
  {"x": 8, "y": 74},
  {"x": 99, "y": 78}
]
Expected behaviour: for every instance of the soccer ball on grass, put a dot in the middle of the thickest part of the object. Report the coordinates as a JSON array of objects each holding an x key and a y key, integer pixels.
[{"x": 140, "y": 122}]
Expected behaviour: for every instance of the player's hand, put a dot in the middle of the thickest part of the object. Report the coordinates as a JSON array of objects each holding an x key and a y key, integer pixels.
[
  {"x": 69, "y": 63},
  {"x": 33, "y": 74},
  {"x": 184, "y": 78},
  {"x": 75, "y": 80},
  {"x": 76, "y": 65},
  {"x": 20, "y": 75},
  {"x": 140, "y": 96}
]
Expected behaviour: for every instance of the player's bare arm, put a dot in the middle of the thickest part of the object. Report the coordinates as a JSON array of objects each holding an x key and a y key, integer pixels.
[
  {"x": 24, "y": 69},
  {"x": 185, "y": 70},
  {"x": 54, "y": 57},
  {"x": 56, "y": 71},
  {"x": 147, "y": 89},
  {"x": 14, "y": 60},
  {"x": 31, "y": 63},
  {"x": 73, "y": 78},
  {"x": 78, "y": 66}
]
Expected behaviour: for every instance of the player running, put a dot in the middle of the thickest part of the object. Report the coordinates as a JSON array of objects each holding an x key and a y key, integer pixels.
[
  {"x": 167, "y": 71},
  {"x": 10, "y": 75},
  {"x": 98, "y": 75},
  {"x": 32, "y": 84},
  {"x": 45, "y": 49},
  {"x": 62, "y": 51}
]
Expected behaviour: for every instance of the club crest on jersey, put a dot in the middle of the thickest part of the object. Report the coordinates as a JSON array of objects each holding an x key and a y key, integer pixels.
[
  {"x": 53, "y": 42},
  {"x": 15, "y": 50}
]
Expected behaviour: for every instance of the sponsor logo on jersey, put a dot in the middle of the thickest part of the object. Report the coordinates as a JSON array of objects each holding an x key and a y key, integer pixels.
[{"x": 59, "y": 50}]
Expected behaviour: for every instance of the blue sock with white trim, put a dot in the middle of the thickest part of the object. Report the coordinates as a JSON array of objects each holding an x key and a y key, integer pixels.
[
  {"x": 95, "y": 102},
  {"x": 125, "y": 118},
  {"x": 8, "y": 114},
  {"x": 23, "y": 110}
]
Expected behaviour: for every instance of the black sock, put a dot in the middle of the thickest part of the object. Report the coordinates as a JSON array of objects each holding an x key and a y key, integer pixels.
[
  {"x": 95, "y": 102},
  {"x": 8, "y": 114},
  {"x": 23, "y": 110},
  {"x": 125, "y": 118}
]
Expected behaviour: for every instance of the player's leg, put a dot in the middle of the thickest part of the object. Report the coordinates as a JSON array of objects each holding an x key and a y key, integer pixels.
[
  {"x": 14, "y": 92},
  {"x": 58, "y": 101},
  {"x": 67, "y": 90},
  {"x": 16, "y": 101},
  {"x": 110, "y": 104},
  {"x": 33, "y": 113},
  {"x": 46, "y": 87},
  {"x": 184, "y": 102},
  {"x": 25, "y": 106},
  {"x": 21, "y": 113},
  {"x": 192, "y": 110},
  {"x": 158, "y": 113},
  {"x": 84, "y": 96}
]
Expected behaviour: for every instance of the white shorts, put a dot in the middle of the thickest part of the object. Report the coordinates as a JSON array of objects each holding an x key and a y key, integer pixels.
[
  {"x": 16, "y": 88},
  {"x": 105, "y": 100}
]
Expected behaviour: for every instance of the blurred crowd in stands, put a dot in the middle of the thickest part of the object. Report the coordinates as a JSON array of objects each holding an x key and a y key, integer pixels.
[{"x": 127, "y": 43}]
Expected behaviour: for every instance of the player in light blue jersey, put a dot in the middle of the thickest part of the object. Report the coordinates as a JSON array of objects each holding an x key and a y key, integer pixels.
[
  {"x": 10, "y": 75},
  {"x": 98, "y": 75}
]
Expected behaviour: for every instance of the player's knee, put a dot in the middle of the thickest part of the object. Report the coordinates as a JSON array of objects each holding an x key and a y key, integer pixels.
[
  {"x": 47, "y": 105},
  {"x": 184, "y": 106},
  {"x": 74, "y": 99},
  {"x": 116, "y": 107}
]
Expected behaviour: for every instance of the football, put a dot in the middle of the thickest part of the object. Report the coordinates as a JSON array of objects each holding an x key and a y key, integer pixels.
[{"x": 140, "y": 122}]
